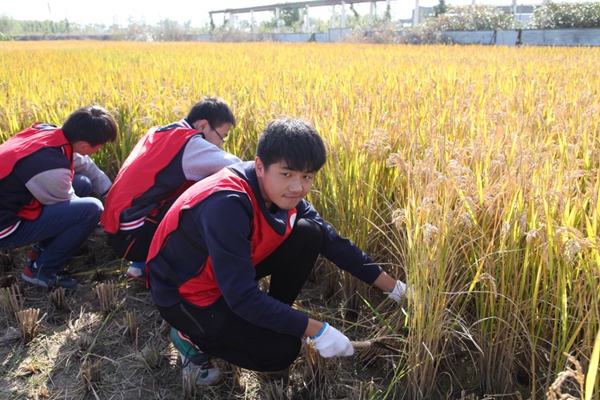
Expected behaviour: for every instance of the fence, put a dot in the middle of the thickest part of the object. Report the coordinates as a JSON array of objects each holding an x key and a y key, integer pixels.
[{"x": 533, "y": 37}]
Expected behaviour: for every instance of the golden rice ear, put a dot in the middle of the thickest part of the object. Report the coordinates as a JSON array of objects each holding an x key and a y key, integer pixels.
[{"x": 555, "y": 392}]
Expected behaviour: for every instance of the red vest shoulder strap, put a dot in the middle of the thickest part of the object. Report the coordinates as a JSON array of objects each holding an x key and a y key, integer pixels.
[
  {"x": 154, "y": 151},
  {"x": 27, "y": 142}
]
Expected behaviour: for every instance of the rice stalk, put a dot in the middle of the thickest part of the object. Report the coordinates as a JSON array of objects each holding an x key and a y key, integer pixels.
[
  {"x": 5, "y": 256},
  {"x": 90, "y": 373},
  {"x": 8, "y": 280},
  {"x": 57, "y": 298},
  {"x": 27, "y": 320},
  {"x": 107, "y": 294},
  {"x": 83, "y": 342},
  {"x": 129, "y": 319},
  {"x": 190, "y": 389},
  {"x": 151, "y": 356},
  {"x": 315, "y": 371},
  {"x": 11, "y": 298},
  {"x": 590, "y": 380}
]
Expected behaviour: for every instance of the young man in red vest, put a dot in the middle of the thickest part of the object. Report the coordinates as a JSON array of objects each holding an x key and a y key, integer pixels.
[
  {"x": 45, "y": 176},
  {"x": 164, "y": 163},
  {"x": 245, "y": 222}
]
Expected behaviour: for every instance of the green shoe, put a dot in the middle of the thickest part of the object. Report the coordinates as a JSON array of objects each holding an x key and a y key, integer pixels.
[
  {"x": 194, "y": 361},
  {"x": 187, "y": 348}
]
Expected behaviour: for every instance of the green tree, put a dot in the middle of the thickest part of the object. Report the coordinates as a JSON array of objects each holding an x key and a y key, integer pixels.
[
  {"x": 8, "y": 26},
  {"x": 388, "y": 13},
  {"x": 356, "y": 14},
  {"x": 290, "y": 16},
  {"x": 441, "y": 8}
]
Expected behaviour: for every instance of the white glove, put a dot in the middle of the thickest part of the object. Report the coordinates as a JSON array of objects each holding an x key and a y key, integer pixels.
[
  {"x": 330, "y": 342},
  {"x": 398, "y": 291}
]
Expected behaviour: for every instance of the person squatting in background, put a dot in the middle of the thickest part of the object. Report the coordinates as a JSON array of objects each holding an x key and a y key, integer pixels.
[
  {"x": 248, "y": 221},
  {"x": 166, "y": 161},
  {"x": 46, "y": 176}
]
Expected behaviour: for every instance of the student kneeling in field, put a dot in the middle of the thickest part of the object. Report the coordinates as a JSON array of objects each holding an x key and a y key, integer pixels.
[
  {"x": 45, "y": 178},
  {"x": 166, "y": 161},
  {"x": 243, "y": 223}
]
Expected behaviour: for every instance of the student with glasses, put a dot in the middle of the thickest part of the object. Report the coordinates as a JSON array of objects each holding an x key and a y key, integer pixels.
[{"x": 166, "y": 161}]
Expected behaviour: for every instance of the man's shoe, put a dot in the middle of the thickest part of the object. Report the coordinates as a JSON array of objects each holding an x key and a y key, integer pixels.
[
  {"x": 34, "y": 252},
  {"x": 193, "y": 359},
  {"x": 206, "y": 373},
  {"x": 37, "y": 277},
  {"x": 137, "y": 270}
]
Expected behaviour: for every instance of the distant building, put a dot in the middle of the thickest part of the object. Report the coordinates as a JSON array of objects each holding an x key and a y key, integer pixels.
[{"x": 522, "y": 13}]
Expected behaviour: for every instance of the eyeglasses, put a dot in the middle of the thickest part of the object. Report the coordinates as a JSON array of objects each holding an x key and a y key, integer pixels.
[{"x": 222, "y": 137}]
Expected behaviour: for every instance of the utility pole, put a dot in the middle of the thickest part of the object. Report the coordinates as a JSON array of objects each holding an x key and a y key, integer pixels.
[
  {"x": 333, "y": 16},
  {"x": 307, "y": 20},
  {"x": 416, "y": 13}
]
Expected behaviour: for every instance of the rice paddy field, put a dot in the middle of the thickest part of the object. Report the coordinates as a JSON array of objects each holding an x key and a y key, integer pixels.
[{"x": 470, "y": 172}]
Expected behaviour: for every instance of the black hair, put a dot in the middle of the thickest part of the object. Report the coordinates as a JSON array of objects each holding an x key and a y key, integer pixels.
[
  {"x": 90, "y": 124},
  {"x": 294, "y": 141},
  {"x": 213, "y": 109}
]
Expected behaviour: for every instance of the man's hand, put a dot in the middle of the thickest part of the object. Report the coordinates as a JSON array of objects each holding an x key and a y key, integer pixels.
[
  {"x": 330, "y": 342},
  {"x": 398, "y": 292}
]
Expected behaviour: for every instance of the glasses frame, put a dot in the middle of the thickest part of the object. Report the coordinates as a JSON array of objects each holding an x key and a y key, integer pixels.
[{"x": 217, "y": 132}]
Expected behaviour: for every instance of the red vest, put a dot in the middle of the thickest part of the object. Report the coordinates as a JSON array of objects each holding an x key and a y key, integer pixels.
[
  {"x": 203, "y": 289},
  {"x": 26, "y": 143},
  {"x": 151, "y": 154}
]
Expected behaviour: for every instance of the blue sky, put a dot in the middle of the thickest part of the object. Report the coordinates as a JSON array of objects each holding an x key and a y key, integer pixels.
[{"x": 121, "y": 11}]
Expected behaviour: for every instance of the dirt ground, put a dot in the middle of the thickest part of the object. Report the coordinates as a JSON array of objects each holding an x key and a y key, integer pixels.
[{"x": 105, "y": 340}]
